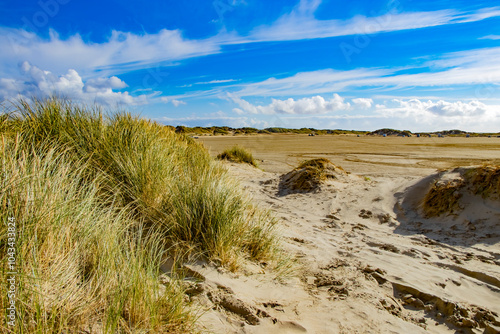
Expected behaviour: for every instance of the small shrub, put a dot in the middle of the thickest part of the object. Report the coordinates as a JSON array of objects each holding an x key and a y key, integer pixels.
[{"x": 239, "y": 155}]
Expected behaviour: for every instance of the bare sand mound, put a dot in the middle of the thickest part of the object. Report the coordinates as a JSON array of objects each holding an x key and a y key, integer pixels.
[{"x": 310, "y": 175}]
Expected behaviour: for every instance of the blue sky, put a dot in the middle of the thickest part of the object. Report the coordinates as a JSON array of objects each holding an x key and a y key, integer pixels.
[{"x": 417, "y": 65}]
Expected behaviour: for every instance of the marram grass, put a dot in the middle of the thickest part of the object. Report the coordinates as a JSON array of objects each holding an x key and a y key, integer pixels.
[
  {"x": 99, "y": 200},
  {"x": 83, "y": 262},
  {"x": 238, "y": 154}
]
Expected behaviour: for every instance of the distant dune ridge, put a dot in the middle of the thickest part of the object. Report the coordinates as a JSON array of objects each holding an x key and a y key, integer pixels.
[{"x": 226, "y": 130}]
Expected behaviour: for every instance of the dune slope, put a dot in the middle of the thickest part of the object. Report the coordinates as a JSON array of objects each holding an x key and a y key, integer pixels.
[{"x": 369, "y": 262}]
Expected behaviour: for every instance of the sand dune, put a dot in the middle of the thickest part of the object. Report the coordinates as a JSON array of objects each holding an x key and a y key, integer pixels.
[{"x": 369, "y": 261}]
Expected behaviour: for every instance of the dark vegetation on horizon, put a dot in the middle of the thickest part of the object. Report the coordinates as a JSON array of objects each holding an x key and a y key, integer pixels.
[{"x": 226, "y": 130}]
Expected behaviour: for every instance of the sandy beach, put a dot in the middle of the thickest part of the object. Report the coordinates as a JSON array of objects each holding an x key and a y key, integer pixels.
[{"x": 368, "y": 260}]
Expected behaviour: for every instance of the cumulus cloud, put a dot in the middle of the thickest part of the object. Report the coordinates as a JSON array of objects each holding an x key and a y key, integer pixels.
[
  {"x": 36, "y": 82},
  {"x": 363, "y": 103},
  {"x": 104, "y": 83},
  {"x": 428, "y": 115},
  {"x": 415, "y": 107},
  {"x": 413, "y": 114},
  {"x": 435, "y": 115},
  {"x": 312, "y": 105}
]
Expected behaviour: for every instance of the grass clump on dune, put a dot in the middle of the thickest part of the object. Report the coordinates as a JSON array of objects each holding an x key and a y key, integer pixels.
[
  {"x": 98, "y": 202},
  {"x": 484, "y": 180},
  {"x": 443, "y": 197},
  {"x": 321, "y": 167},
  {"x": 239, "y": 155},
  {"x": 84, "y": 263},
  {"x": 310, "y": 174}
]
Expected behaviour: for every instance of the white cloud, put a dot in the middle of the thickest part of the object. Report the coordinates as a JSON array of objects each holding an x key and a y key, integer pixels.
[
  {"x": 175, "y": 102},
  {"x": 442, "y": 114},
  {"x": 493, "y": 37},
  {"x": 301, "y": 23},
  {"x": 312, "y": 105},
  {"x": 39, "y": 83},
  {"x": 481, "y": 14},
  {"x": 443, "y": 108},
  {"x": 10, "y": 88},
  {"x": 309, "y": 83},
  {"x": 413, "y": 114},
  {"x": 363, "y": 103},
  {"x": 104, "y": 83},
  {"x": 418, "y": 115},
  {"x": 122, "y": 51},
  {"x": 214, "y": 82},
  {"x": 219, "y": 113},
  {"x": 473, "y": 67}
]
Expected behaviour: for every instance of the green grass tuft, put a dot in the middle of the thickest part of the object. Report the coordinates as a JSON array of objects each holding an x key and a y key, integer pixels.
[{"x": 239, "y": 155}]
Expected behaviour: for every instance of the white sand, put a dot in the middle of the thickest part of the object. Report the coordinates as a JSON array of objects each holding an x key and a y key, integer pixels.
[{"x": 369, "y": 263}]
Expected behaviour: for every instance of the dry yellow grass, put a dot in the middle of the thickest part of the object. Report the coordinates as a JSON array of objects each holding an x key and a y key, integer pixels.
[
  {"x": 239, "y": 155},
  {"x": 309, "y": 175},
  {"x": 442, "y": 198},
  {"x": 484, "y": 180}
]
